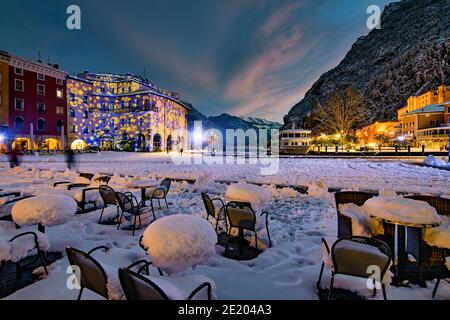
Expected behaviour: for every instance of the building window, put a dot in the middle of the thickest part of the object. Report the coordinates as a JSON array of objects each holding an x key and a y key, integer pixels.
[
  {"x": 85, "y": 114},
  {"x": 59, "y": 82},
  {"x": 41, "y": 89},
  {"x": 72, "y": 112},
  {"x": 111, "y": 124},
  {"x": 59, "y": 110},
  {"x": 85, "y": 130},
  {"x": 72, "y": 97},
  {"x": 20, "y": 104},
  {"x": 73, "y": 129},
  {"x": 103, "y": 89},
  {"x": 41, "y": 125},
  {"x": 19, "y": 85},
  {"x": 122, "y": 122},
  {"x": 433, "y": 123},
  {"x": 18, "y": 123},
  {"x": 41, "y": 107},
  {"x": 18, "y": 71},
  {"x": 141, "y": 122},
  {"x": 41, "y": 77},
  {"x": 129, "y": 122},
  {"x": 59, "y": 125},
  {"x": 85, "y": 100},
  {"x": 59, "y": 94}
]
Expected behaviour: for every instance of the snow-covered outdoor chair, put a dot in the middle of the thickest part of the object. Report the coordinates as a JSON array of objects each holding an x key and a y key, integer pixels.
[
  {"x": 109, "y": 197},
  {"x": 430, "y": 245},
  {"x": 218, "y": 214},
  {"x": 17, "y": 244},
  {"x": 353, "y": 256},
  {"x": 159, "y": 193},
  {"x": 92, "y": 274},
  {"x": 128, "y": 204},
  {"x": 241, "y": 216},
  {"x": 138, "y": 287},
  {"x": 445, "y": 274},
  {"x": 346, "y": 197}
]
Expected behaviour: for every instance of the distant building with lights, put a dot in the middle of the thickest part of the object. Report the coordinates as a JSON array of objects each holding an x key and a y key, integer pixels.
[
  {"x": 369, "y": 134},
  {"x": 426, "y": 118},
  {"x": 124, "y": 112},
  {"x": 33, "y": 112}
]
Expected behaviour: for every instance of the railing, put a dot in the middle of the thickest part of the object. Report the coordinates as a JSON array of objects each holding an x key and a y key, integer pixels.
[{"x": 125, "y": 110}]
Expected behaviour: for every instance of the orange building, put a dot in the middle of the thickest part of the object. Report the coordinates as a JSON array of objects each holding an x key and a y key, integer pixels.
[
  {"x": 368, "y": 134},
  {"x": 4, "y": 98}
]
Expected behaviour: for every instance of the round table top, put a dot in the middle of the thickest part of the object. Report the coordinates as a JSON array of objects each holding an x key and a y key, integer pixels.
[
  {"x": 257, "y": 196},
  {"x": 46, "y": 210},
  {"x": 403, "y": 211}
]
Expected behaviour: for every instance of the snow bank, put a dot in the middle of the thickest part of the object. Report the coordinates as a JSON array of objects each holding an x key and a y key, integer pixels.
[
  {"x": 19, "y": 248},
  {"x": 259, "y": 197},
  {"x": 401, "y": 210},
  {"x": 437, "y": 163},
  {"x": 47, "y": 210},
  {"x": 177, "y": 242}
]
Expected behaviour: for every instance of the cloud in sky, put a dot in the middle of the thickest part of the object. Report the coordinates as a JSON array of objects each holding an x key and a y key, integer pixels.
[{"x": 247, "y": 57}]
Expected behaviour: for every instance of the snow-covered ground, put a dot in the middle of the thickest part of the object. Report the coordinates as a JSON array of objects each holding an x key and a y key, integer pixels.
[{"x": 288, "y": 270}]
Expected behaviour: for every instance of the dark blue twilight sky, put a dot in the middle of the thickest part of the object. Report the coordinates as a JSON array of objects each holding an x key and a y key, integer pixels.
[{"x": 246, "y": 57}]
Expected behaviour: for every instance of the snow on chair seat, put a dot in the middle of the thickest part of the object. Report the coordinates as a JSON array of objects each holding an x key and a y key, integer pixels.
[{"x": 17, "y": 244}]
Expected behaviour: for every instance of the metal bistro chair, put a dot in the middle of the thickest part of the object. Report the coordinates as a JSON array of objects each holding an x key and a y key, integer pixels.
[
  {"x": 159, "y": 193},
  {"x": 129, "y": 204},
  {"x": 88, "y": 176},
  {"x": 92, "y": 274},
  {"x": 344, "y": 222},
  {"x": 353, "y": 256},
  {"x": 138, "y": 287},
  {"x": 242, "y": 216},
  {"x": 109, "y": 198},
  {"x": 211, "y": 210},
  {"x": 429, "y": 257}
]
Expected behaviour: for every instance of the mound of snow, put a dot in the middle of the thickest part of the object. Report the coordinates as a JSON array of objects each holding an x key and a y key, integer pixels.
[
  {"x": 259, "y": 197},
  {"x": 440, "y": 236},
  {"x": 177, "y": 242},
  {"x": 401, "y": 210},
  {"x": 47, "y": 210},
  {"x": 433, "y": 162},
  {"x": 317, "y": 189}
]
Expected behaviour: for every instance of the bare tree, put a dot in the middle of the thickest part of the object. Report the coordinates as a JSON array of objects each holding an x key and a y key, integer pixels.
[{"x": 343, "y": 111}]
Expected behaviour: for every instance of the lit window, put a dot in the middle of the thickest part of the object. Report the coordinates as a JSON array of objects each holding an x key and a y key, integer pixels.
[
  {"x": 20, "y": 104},
  {"x": 72, "y": 112},
  {"x": 41, "y": 89},
  {"x": 59, "y": 94},
  {"x": 59, "y": 110},
  {"x": 40, "y": 76},
  {"x": 19, "y": 85}
]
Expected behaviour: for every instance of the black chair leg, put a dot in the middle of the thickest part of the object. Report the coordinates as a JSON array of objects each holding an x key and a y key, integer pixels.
[
  {"x": 436, "y": 287},
  {"x": 159, "y": 203},
  {"x": 41, "y": 257},
  {"x": 101, "y": 215},
  {"x": 79, "y": 294},
  {"x": 134, "y": 225},
  {"x": 120, "y": 221},
  {"x": 165, "y": 199},
  {"x": 383, "y": 287},
  {"x": 374, "y": 294},
  {"x": 330, "y": 293},
  {"x": 320, "y": 275},
  {"x": 228, "y": 242}
]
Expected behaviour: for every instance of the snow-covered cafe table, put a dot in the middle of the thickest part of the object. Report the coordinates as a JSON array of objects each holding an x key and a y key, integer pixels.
[
  {"x": 44, "y": 210},
  {"x": 178, "y": 242},
  {"x": 403, "y": 213}
]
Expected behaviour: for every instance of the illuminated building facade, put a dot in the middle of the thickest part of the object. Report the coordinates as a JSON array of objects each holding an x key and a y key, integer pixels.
[
  {"x": 426, "y": 119},
  {"x": 124, "y": 112},
  {"x": 369, "y": 134},
  {"x": 32, "y": 104}
]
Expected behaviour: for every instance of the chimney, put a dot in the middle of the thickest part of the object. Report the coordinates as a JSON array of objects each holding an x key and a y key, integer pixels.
[{"x": 56, "y": 66}]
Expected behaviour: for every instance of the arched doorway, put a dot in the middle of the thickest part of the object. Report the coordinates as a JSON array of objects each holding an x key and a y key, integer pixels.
[
  {"x": 106, "y": 142},
  {"x": 52, "y": 144},
  {"x": 157, "y": 142},
  {"x": 78, "y": 144},
  {"x": 169, "y": 143},
  {"x": 21, "y": 144}
]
